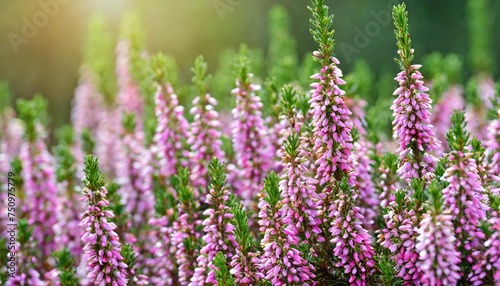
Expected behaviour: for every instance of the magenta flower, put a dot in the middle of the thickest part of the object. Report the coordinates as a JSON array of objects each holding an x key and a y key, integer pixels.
[
  {"x": 219, "y": 231},
  {"x": 162, "y": 262},
  {"x": 281, "y": 263},
  {"x": 102, "y": 244},
  {"x": 493, "y": 248},
  {"x": 204, "y": 139},
  {"x": 399, "y": 237},
  {"x": 106, "y": 138},
  {"x": 253, "y": 150},
  {"x": 129, "y": 99},
  {"x": 87, "y": 111},
  {"x": 134, "y": 174},
  {"x": 332, "y": 126},
  {"x": 437, "y": 250},
  {"x": 412, "y": 128},
  {"x": 40, "y": 188},
  {"x": 171, "y": 130},
  {"x": 367, "y": 199},
  {"x": 450, "y": 101}
]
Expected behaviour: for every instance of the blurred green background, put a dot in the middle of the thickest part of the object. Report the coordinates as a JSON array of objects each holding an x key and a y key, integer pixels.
[{"x": 48, "y": 61}]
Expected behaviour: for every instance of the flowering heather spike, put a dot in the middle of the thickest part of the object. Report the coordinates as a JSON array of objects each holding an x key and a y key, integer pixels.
[
  {"x": 250, "y": 137},
  {"x": 69, "y": 197},
  {"x": 219, "y": 231},
  {"x": 351, "y": 241},
  {"x": 333, "y": 145},
  {"x": 186, "y": 235},
  {"x": 222, "y": 275},
  {"x": 436, "y": 242},
  {"x": 245, "y": 261},
  {"x": 87, "y": 111},
  {"x": 411, "y": 109},
  {"x": 39, "y": 177},
  {"x": 368, "y": 199},
  {"x": 134, "y": 174},
  {"x": 172, "y": 127},
  {"x": 387, "y": 185},
  {"x": 450, "y": 101},
  {"x": 399, "y": 237},
  {"x": 204, "y": 134},
  {"x": 281, "y": 263},
  {"x": 128, "y": 98},
  {"x": 297, "y": 188},
  {"x": 464, "y": 195},
  {"x": 102, "y": 244}
]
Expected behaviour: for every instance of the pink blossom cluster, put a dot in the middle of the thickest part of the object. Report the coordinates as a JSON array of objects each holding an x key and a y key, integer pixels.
[
  {"x": 102, "y": 244},
  {"x": 412, "y": 128}
]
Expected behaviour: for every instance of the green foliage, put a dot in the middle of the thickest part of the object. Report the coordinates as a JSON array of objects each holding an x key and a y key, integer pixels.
[
  {"x": 457, "y": 137},
  {"x": 444, "y": 70},
  {"x": 227, "y": 147},
  {"x": 66, "y": 265},
  {"x": 116, "y": 206},
  {"x": 387, "y": 266},
  {"x": 282, "y": 55},
  {"x": 129, "y": 122},
  {"x": 417, "y": 185},
  {"x": 99, "y": 56},
  {"x": 400, "y": 17},
  {"x": 129, "y": 256},
  {"x": 435, "y": 202},
  {"x": 217, "y": 173},
  {"x": 200, "y": 75},
  {"x": 288, "y": 101},
  {"x": 3, "y": 260},
  {"x": 24, "y": 232},
  {"x": 222, "y": 275},
  {"x": 88, "y": 142},
  {"x": 243, "y": 68},
  {"x": 271, "y": 191},
  {"x": 321, "y": 30},
  {"x": 163, "y": 68},
  {"x": 180, "y": 182},
  {"x": 472, "y": 93},
  {"x": 242, "y": 230},
  {"x": 270, "y": 98},
  {"x": 5, "y": 96},
  {"x": 65, "y": 135},
  {"x": 480, "y": 28},
  {"x": 65, "y": 163},
  {"x": 33, "y": 113},
  {"x": 164, "y": 200},
  {"x": 16, "y": 166},
  {"x": 292, "y": 145},
  {"x": 360, "y": 81},
  {"x": 441, "y": 167},
  {"x": 94, "y": 179}
]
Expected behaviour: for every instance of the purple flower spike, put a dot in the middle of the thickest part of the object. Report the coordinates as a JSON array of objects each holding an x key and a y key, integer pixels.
[
  {"x": 412, "y": 128},
  {"x": 102, "y": 244}
]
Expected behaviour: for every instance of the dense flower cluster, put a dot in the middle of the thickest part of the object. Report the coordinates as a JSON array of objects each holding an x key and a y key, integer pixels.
[
  {"x": 285, "y": 190},
  {"x": 412, "y": 127},
  {"x": 102, "y": 244}
]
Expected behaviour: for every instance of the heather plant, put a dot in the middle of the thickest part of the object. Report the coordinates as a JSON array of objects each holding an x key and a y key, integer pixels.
[{"x": 264, "y": 181}]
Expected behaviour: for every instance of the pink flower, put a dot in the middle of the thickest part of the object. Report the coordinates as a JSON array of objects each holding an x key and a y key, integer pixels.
[
  {"x": 204, "y": 139},
  {"x": 412, "y": 128},
  {"x": 102, "y": 244},
  {"x": 171, "y": 131},
  {"x": 253, "y": 150},
  {"x": 437, "y": 250}
]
